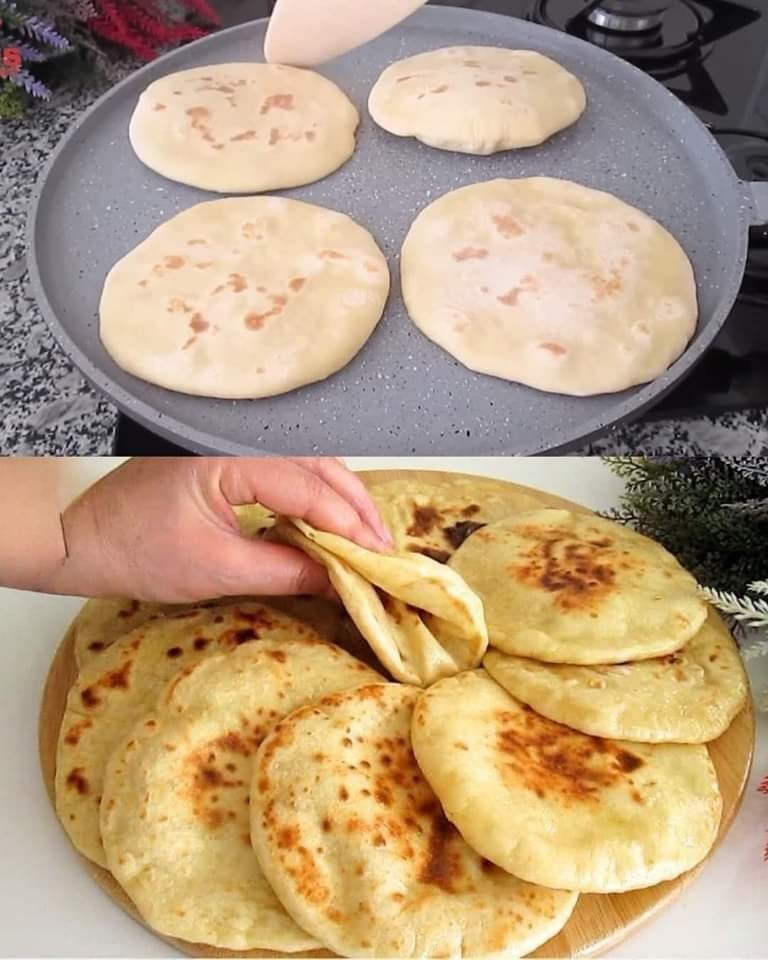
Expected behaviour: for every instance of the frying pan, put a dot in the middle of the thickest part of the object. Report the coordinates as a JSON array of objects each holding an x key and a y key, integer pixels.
[{"x": 402, "y": 394}]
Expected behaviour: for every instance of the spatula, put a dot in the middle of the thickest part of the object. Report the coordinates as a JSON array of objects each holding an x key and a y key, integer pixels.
[{"x": 302, "y": 33}]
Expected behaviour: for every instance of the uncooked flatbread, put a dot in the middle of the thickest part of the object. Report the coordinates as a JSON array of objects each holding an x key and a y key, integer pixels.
[
  {"x": 477, "y": 99},
  {"x": 247, "y": 297},
  {"x": 115, "y": 689},
  {"x": 174, "y": 811},
  {"x": 556, "y": 807},
  {"x": 359, "y": 852},
  {"x": 243, "y": 127},
  {"x": 550, "y": 284},
  {"x": 690, "y": 696},
  {"x": 418, "y": 616},
  {"x": 569, "y": 587}
]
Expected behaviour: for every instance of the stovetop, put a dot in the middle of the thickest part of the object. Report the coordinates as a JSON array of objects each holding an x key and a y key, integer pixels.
[{"x": 713, "y": 54}]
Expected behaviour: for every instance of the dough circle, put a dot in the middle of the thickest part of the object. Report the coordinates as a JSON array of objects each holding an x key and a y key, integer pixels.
[
  {"x": 244, "y": 127},
  {"x": 244, "y": 297},
  {"x": 550, "y": 284}
]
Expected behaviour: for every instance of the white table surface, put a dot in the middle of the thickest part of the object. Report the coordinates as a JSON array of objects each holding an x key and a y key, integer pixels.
[{"x": 50, "y": 907}]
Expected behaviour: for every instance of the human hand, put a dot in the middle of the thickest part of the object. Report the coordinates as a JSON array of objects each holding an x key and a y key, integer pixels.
[{"x": 163, "y": 529}]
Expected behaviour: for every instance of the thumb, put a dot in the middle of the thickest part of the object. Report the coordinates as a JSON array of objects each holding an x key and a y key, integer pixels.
[{"x": 261, "y": 568}]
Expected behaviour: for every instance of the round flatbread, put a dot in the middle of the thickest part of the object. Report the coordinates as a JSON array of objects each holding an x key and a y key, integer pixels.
[
  {"x": 174, "y": 812},
  {"x": 557, "y": 807},
  {"x": 100, "y": 622},
  {"x": 371, "y": 866},
  {"x": 247, "y": 297},
  {"x": 567, "y": 587},
  {"x": 119, "y": 686},
  {"x": 243, "y": 127},
  {"x": 418, "y": 616},
  {"x": 690, "y": 696},
  {"x": 433, "y": 513},
  {"x": 550, "y": 284},
  {"x": 477, "y": 99}
]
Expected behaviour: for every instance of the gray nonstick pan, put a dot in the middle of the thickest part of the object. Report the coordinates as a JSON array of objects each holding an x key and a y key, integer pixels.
[{"x": 402, "y": 394}]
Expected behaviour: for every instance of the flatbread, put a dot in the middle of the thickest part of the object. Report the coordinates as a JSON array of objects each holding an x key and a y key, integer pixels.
[
  {"x": 100, "y": 622},
  {"x": 174, "y": 813},
  {"x": 370, "y": 866},
  {"x": 246, "y": 297},
  {"x": 477, "y": 99},
  {"x": 243, "y": 127},
  {"x": 550, "y": 284},
  {"x": 557, "y": 807},
  {"x": 418, "y": 616},
  {"x": 690, "y": 696},
  {"x": 574, "y": 588},
  {"x": 433, "y": 513},
  {"x": 114, "y": 690}
]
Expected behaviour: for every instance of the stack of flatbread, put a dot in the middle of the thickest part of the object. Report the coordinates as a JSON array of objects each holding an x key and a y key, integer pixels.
[{"x": 509, "y": 709}]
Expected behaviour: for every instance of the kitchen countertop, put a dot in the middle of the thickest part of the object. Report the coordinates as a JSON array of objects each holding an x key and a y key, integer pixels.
[
  {"x": 49, "y": 905},
  {"x": 46, "y": 407}
]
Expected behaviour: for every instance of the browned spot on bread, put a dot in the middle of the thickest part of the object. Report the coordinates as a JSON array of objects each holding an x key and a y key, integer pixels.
[
  {"x": 159, "y": 106},
  {"x": 200, "y": 643},
  {"x": 237, "y": 282},
  {"x": 482, "y": 83},
  {"x": 508, "y": 78},
  {"x": 507, "y": 226},
  {"x": 196, "y": 114},
  {"x": 458, "y": 533},
  {"x": 471, "y": 63},
  {"x": 89, "y": 697},
  {"x": 177, "y": 305},
  {"x": 245, "y": 135},
  {"x": 277, "y": 101},
  {"x": 278, "y": 655},
  {"x": 555, "y": 348},
  {"x": 579, "y": 572},
  {"x": 440, "y": 556},
  {"x": 331, "y": 255},
  {"x": 632, "y": 226},
  {"x": 471, "y": 253},
  {"x": 197, "y": 324},
  {"x": 142, "y": 283},
  {"x": 343, "y": 793},
  {"x": 173, "y": 652},
  {"x": 550, "y": 759},
  {"x": 510, "y": 298},
  {"x": 606, "y": 288},
  {"x": 96, "y": 646},
  {"x": 425, "y": 519},
  {"x": 126, "y": 612},
  {"x": 197, "y": 242},
  {"x": 232, "y": 742},
  {"x": 441, "y": 89},
  {"x": 327, "y": 824},
  {"x": 173, "y": 262},
  {"x": 274, "y": 136},
  {"x": 117, "y": 679},
  {"x": 255, "y": 321},
  {"x": 309, "y": 135},
  {"x": 442, "y": 866},
  {"x": 76, "y": 731},
  {"x": 297, "y": 283},
  {"x": 76, "y": 781},
  {"x": 409, "y": 76}
]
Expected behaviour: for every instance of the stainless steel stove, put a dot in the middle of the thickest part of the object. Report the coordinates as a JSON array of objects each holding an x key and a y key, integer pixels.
[{"x": 713, "y": 54}]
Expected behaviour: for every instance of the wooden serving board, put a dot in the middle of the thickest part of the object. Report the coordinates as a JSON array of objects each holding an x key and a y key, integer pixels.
[{"x": 598, "y": 923}]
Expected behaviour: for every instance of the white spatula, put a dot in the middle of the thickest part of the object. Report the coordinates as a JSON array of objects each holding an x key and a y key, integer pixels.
[{"x": 302, "y": 33}]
